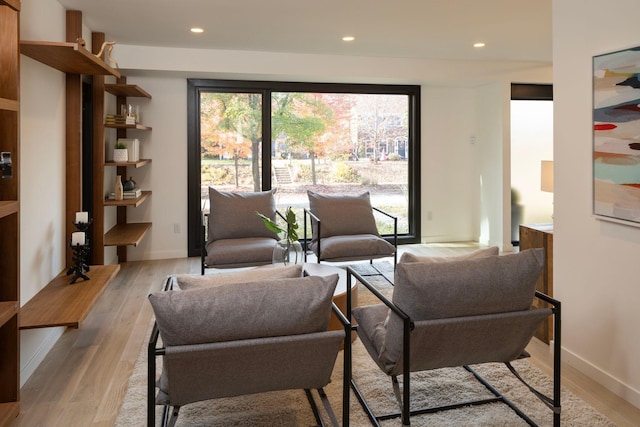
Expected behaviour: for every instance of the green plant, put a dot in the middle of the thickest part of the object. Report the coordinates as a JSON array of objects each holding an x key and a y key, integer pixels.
[
  {"x": 121, "y": 146},
  {"x": 290, "y": 232}
]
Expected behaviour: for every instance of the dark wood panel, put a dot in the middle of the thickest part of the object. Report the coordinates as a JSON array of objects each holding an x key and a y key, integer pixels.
[{"x": 97, "y": 237}]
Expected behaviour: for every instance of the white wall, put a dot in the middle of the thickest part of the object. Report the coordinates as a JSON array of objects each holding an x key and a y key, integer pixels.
[
  {"x": 596, "y": 269},
  {"x": 42, "y": 173},
  {"x": 450, "y": 117}
]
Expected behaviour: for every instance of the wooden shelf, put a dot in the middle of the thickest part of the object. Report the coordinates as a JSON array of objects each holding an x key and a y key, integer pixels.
[
  {"x": 66, "y": 57},
  {"x": 126, "y": 90},
  {"x": 128, "y": 202},
  {"x": 137, "y": 126},
  {"x": 9, "y": 104},
  {"x": 126, "y": 234},
  {"x": 8, "y": 207},
  {"x": 7, "y": 310},
  {"x": 8, "y": 412},
  {"x": 15, "y": 5},
  {"x": 63, "y": 304},
  {"x": 137, "y": 164}
]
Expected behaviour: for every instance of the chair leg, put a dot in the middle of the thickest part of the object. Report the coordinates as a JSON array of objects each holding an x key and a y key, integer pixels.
[
  {"x": 171, "y": 416},
  {"x": 314, "y": 407}
]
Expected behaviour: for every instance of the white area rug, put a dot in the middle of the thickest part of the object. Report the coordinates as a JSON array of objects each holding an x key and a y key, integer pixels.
[
  {"x": 290, "y": 408},
  {"x": 438, "y": 387}
]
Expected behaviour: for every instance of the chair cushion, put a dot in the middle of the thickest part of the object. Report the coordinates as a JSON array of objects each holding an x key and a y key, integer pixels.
[
  {"x": 343, "y": 214},
  {"x": 441, "y": 290},
  {"x": 353, "y": 247},
  {"x": 240, "y": 252},
  {"x": 233, "y": 214},
  {"x": 468, "y": 287},
  {"x": 265, "y": 308},
  {"x": 479, "y": 253},
  {"x": 197, "y": 281}
]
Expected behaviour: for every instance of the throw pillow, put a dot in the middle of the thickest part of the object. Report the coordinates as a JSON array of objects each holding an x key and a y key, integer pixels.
[
  {"x": 233, "y": 214},
  {"x": 266, "y": 308},
  {"x": 196, "y": 281},
  {"x": 489, "y": 285},
  {"x": 344, "y": 214},
  {"x": 479, "y": 253}
]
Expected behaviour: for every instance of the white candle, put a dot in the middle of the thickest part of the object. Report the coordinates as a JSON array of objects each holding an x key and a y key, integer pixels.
[
  {"x": 77, "y": 238},
  {"x": 82, "y": 217}
]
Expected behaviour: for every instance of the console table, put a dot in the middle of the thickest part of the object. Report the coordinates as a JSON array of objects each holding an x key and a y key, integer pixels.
[{"x": 541, "y": 236}]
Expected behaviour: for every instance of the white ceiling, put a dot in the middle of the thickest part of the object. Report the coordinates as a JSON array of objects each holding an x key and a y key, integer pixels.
[{"x": 443, "y": 29}]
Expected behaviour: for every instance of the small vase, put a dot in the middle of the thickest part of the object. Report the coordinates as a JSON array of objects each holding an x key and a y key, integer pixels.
[
  {"x": 287, "y": 253},
  {"x": 118, "y": 190}
]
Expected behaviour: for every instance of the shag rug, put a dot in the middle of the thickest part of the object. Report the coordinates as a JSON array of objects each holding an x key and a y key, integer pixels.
[{"x": 438, "y": 387}]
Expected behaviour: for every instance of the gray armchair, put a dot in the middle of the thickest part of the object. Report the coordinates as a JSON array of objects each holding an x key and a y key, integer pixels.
[
  {"x": 232, "y": 339},
  {"x": 344, "y": 229},
  {"x": 458, "y": 312},
  {"x": 233, "y": 235}
]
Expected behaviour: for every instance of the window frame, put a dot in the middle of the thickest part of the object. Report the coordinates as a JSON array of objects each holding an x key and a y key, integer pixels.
[{"x": 197, "y": 86}]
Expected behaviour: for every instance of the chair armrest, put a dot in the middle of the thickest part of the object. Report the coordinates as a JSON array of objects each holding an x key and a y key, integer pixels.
[
  {"x": 384, "y": 213},
  {"x": 315, "y": 218},
  {"x": 374, "y": 291}
]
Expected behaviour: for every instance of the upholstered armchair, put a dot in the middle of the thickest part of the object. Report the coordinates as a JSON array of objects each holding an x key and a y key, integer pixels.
[
  {"x": 234, "y": 236},
  {"x": 456, "y": 312},
  {"x": 344, "y": 228},
  {"x": 222, "y": 337}
]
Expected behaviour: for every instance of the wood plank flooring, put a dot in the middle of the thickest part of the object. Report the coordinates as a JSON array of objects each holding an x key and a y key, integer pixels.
[{"x": 83, "y": 379}]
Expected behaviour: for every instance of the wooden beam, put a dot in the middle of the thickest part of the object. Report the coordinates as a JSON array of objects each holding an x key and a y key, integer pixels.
[
  {"x": 73, "y": 136},
  {"x": 97, "y": 237}
]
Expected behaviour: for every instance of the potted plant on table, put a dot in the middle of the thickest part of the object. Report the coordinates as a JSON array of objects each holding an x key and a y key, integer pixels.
[{"x": 288, "y": 250}]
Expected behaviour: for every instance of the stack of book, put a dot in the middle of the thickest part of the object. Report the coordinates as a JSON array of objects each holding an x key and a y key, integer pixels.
[
  {"x": 130, "y": 194},
  {"x": 115, "y": 119}
]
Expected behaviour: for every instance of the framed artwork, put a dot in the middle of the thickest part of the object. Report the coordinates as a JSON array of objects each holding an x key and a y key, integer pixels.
[{"x": 616, "y": 136}]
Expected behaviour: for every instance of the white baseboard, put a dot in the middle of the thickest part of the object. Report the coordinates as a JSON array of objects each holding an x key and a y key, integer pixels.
[
  {"x": 613, "y": 384},
  {"x": 51, "y": 336}
]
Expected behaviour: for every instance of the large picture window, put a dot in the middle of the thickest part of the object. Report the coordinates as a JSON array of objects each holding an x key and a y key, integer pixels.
[{"x": 329, "y": 138}]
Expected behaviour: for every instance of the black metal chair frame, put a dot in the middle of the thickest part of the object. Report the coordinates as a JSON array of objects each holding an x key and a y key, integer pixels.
[
  {"x": 170, "y": 416},
  {"x": 314, "y": 217},
  {"x": 405, "y": 413},
  {"x": 205, "y": 233}
]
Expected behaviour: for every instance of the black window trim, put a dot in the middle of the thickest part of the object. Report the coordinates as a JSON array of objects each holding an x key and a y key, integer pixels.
[{"x": 196, "y": 86}]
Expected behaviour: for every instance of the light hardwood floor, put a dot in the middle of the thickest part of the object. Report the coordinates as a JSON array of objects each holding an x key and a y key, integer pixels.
[{"x": 83, "y": 379}]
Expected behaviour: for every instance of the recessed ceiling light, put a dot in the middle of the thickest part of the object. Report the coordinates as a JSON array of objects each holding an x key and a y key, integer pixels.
[
  {"x": 348, "y": 38},
  {"x": 480, "y": 44},
  {"x": 197, "y": 30}
]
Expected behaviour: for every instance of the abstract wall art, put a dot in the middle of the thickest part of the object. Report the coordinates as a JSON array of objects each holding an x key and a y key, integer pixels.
[{"x": 616, "y": 136}]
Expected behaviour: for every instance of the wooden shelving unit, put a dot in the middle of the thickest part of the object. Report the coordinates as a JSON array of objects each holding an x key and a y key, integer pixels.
[
  {"x": 62, "y": 304},
  {"x": 130, "y": 234},
  {"x": 10, "y": 212},
  {"x": 137, "y": 126},
  {"x": 9, "y": 104},
  {"x": 70, "y": 58},
  {"x": 138, "y": 164},
  {"x": 126, "y": 90},
  {"x": 128, "y": 202},
  {"x": 125, "y": 234},
  {"x": 8, "y": 207}
]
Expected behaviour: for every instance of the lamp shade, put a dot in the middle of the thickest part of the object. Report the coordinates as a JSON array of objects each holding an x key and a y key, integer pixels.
[{"x": 546, "y": 176}]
